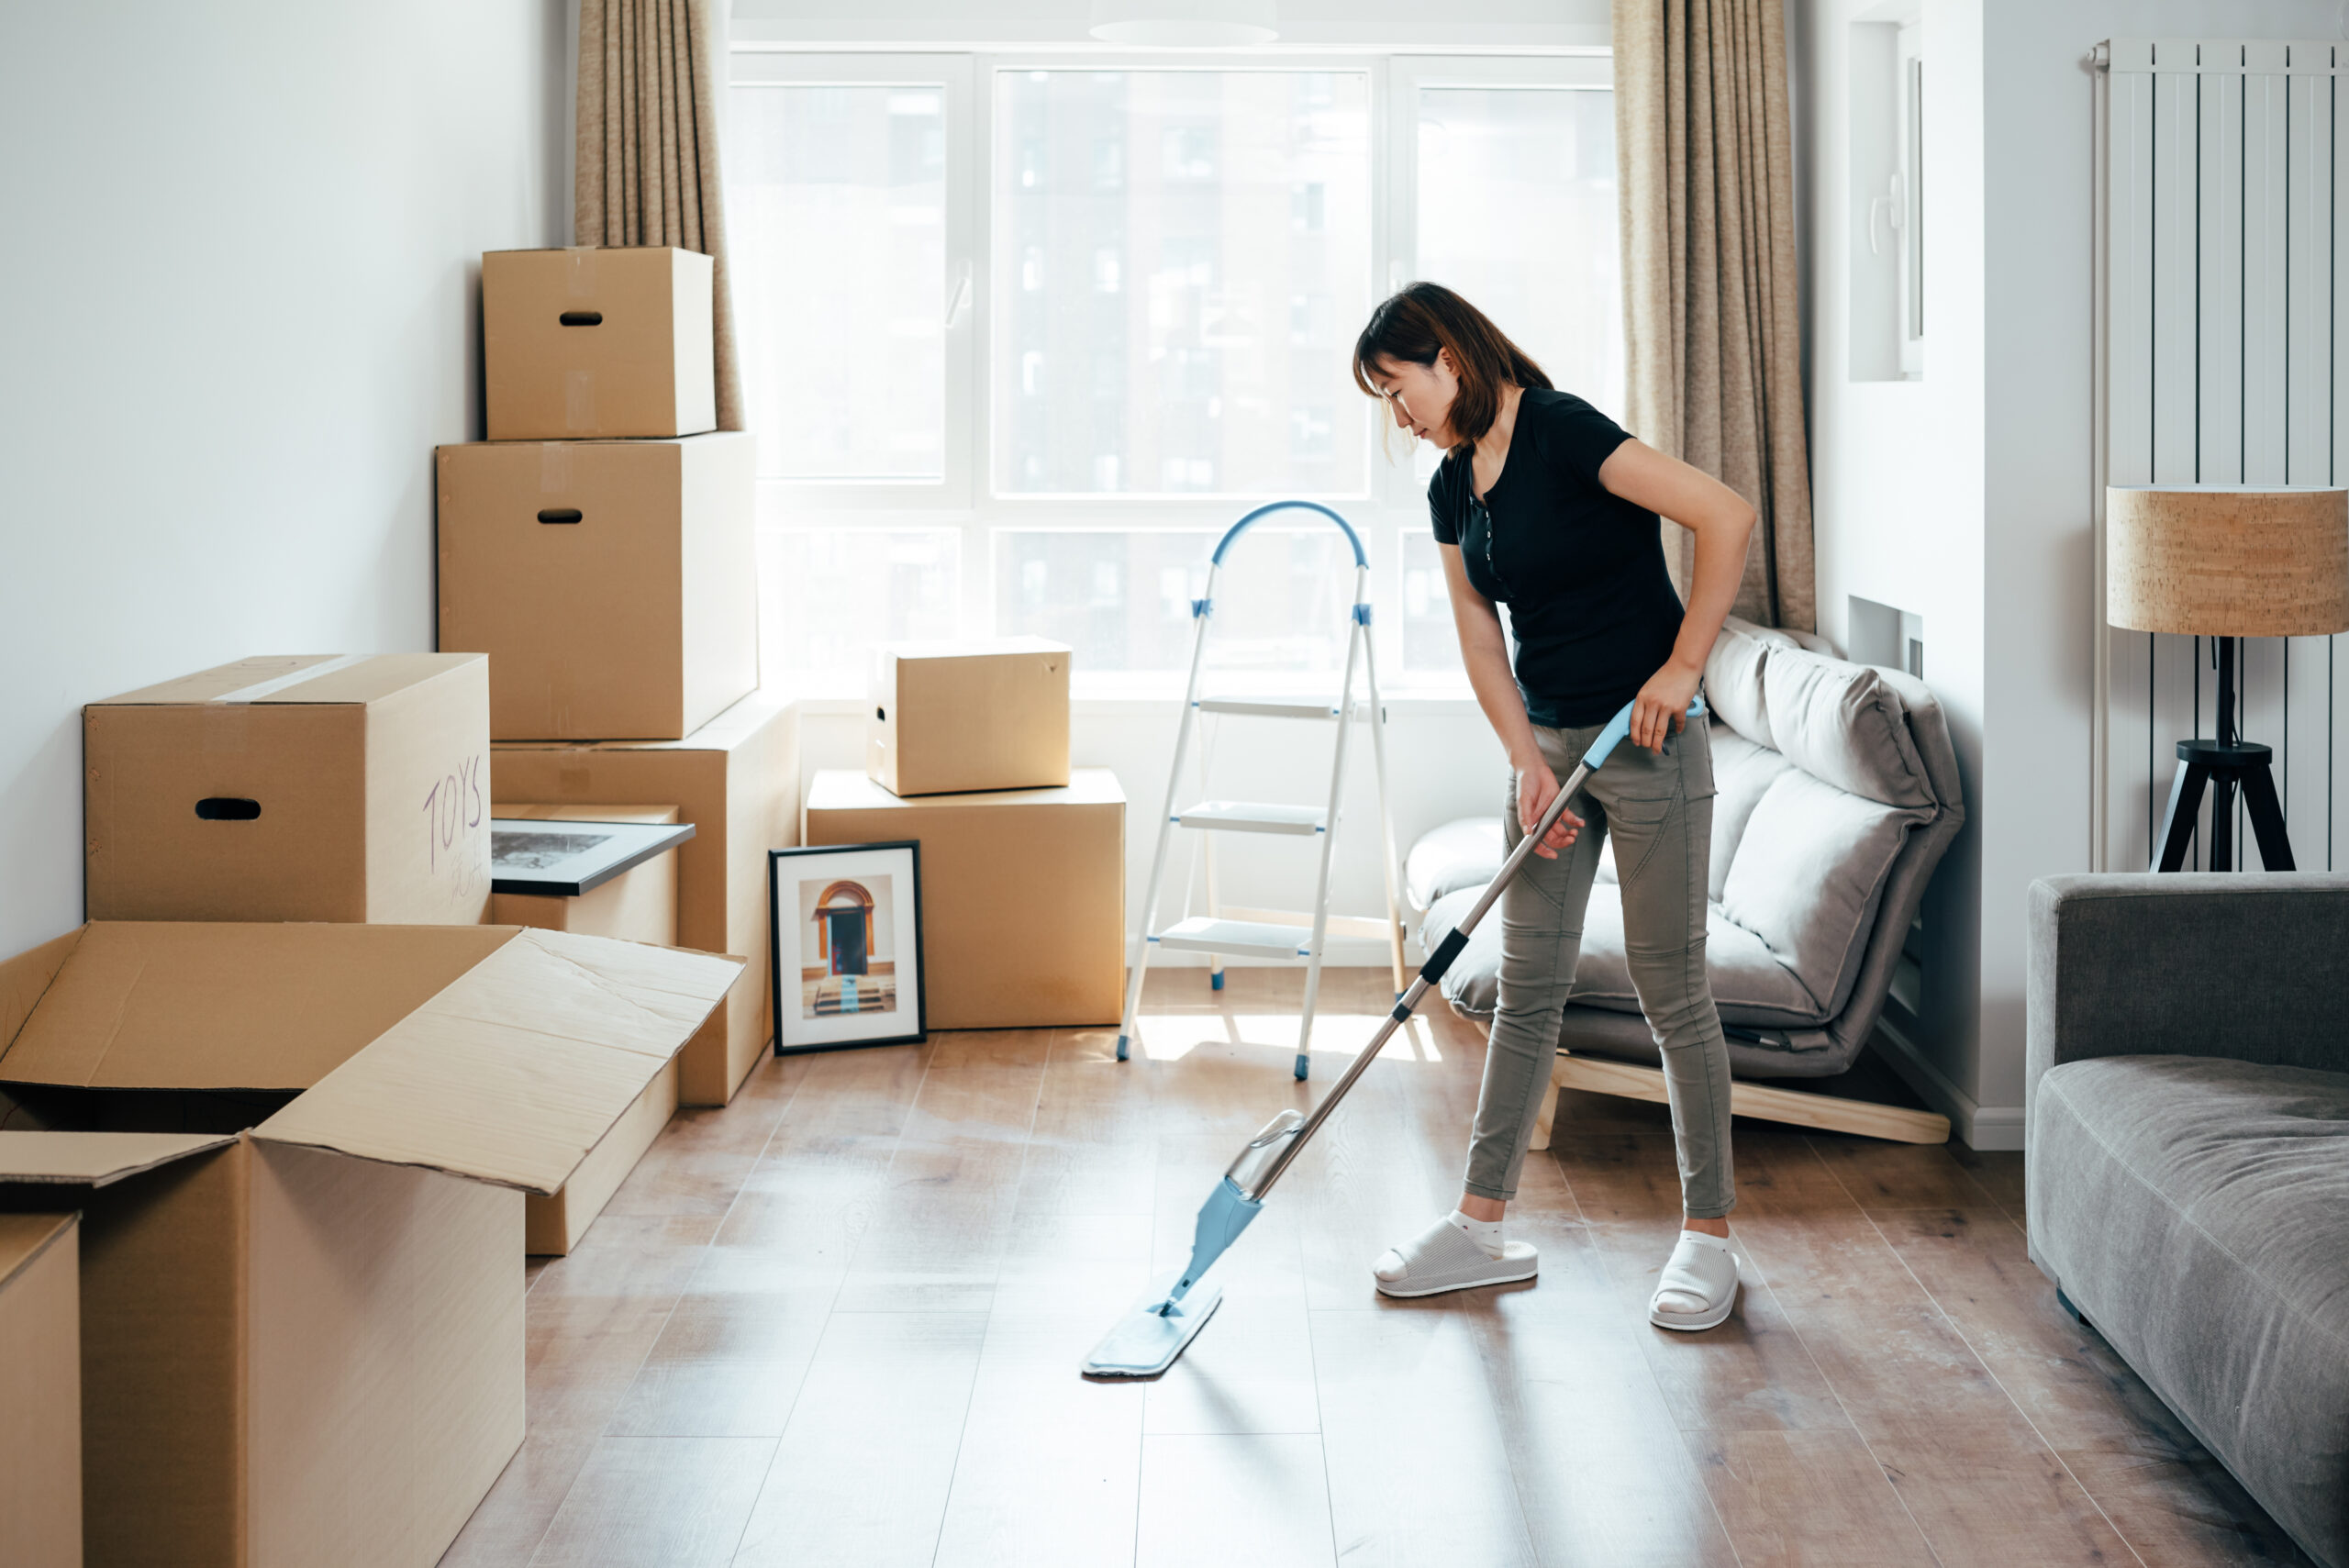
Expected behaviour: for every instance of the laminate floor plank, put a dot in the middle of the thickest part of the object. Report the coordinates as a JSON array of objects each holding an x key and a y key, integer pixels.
[
  {"x": 1989, "y": 1494},
  {"x": 1049, "y": 1470},
  {"x": 1601, "y": 1473},
  {"x": 862, "y": 1472},
  {"x": 2180, "y": 1509},
  {"x": 1816, "y": 1499},
  {"x": 1258, "y": 1500},
  {"x": 658, "y": 1502},
  {"x": 1419, "y": 1472}
]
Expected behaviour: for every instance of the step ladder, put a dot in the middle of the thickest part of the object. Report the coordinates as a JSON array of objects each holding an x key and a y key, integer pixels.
[{"x": 1290, "y": 934}]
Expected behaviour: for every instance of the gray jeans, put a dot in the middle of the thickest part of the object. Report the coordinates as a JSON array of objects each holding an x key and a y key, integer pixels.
[{"x": 1659, "y": 810}]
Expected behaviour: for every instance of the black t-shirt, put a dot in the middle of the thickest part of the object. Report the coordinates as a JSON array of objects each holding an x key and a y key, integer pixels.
[{"x": 1580, "y": 568}]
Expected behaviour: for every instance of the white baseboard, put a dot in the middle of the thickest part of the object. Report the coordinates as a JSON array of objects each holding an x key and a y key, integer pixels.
[{"x": 1984, "y": 1127}]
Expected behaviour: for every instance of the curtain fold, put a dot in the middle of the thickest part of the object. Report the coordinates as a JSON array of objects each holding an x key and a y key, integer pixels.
[
  {"x": 1712, "y": 329},
  {"x": 652, "y": 91}
]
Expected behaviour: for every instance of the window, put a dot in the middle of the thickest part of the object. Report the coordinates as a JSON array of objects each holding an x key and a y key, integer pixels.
[
  {"x": 1192, "y": 380},
  {"x": 1022, "y": 338}
]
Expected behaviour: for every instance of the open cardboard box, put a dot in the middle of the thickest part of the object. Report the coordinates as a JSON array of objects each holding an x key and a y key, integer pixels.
[{"x": 300, "y": 1153}]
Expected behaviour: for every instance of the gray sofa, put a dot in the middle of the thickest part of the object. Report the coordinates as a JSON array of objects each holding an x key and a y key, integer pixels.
[
  {"x": 2186, "y": 1119},
  {"x": 1837, "y": 794}
]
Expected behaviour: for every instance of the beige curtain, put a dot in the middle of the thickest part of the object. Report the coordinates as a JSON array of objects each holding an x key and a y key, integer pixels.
[
  {"x": 651, "y": 90},
  {"x": 1713, "y": 336}
]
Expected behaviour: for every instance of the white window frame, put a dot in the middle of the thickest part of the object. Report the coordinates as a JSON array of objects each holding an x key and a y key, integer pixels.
[{"x": 1393, "y": 502}]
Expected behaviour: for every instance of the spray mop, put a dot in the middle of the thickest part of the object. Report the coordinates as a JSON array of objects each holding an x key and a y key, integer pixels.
[{"x": 1154, "y": 1330}]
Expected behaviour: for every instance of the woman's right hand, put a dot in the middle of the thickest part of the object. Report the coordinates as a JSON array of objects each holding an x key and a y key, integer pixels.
[{"x": 1537, "y": 787}]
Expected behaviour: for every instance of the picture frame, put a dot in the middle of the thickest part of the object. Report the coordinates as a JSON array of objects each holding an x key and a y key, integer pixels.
[{"x": 844, "y": 936}]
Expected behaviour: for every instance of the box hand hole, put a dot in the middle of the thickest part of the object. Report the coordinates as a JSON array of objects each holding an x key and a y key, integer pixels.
[
  {"x": 559, "y": 514},
  {"x": 227, "y": 809},
  {"x": 583, "y": 319}
]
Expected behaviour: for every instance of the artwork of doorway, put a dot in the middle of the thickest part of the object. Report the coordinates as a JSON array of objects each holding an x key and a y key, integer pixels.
[{"x": 847, "y": 935}]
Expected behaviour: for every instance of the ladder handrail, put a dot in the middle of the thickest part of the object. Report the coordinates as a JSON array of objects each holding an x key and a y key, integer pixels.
[{"x": 1244, "y": 524}]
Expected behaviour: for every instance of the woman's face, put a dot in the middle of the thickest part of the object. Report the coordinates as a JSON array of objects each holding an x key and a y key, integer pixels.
[{"x": 1420, "y": 396}]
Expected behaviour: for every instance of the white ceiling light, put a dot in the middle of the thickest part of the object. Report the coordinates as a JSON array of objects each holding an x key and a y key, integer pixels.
[{"x": 1184, "y": 23}]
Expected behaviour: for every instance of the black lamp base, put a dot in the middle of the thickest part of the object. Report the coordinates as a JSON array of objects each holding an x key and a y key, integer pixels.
[{"x": 2224, "y": 769}]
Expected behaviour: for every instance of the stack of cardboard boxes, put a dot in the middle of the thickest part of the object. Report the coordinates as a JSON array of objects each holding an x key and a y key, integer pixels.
[
  {"x": 599, "y": 548},
  {"x": 1022, "y": 863}
]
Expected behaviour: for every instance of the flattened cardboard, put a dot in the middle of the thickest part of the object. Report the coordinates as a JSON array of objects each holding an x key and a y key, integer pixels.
[
  {"x": 639, "y": 905},
  {"x": 736, "y": 781},
  {"x": 954, "y": 717},
  {"x": 194, "y": 1004},
  {"x": 588, "y": 342},
  {"x": 515, "y": 1071},
  {"x": 613, "y": 583},
  {"x": 96, "y": 1159},
  {"x": 1024, "y": 894},
  {"x": 40, "y": 1391},
  {"x": 310, "y": 787}
]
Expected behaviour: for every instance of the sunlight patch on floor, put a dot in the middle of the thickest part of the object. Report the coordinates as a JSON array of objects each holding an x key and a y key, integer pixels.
[{"x": 1170, "y": 1037}]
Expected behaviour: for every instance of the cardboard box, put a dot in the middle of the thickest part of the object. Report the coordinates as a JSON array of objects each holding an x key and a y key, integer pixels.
[
  {"x": 614, "y": 342},
  {"x": 952, "y": 716},
  {"x": 309, "y": 787},
  {"x": 40, "y": 1391},
  {"x": 638, "y": 905},
  {"x": 302, "y": 1341},
  {"x": 614, "y": 584},
  {"x": 1024, "y": 894},
  {"x": 736, "y": 781}
]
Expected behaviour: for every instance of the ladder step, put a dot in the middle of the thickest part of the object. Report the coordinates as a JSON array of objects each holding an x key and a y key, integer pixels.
[
  {"x": 1321, "y": 711},
  {"x": 1338, "y": 926},
  {"x": 1252, "y": 816},
  {"x": 1238, "y": 938}
]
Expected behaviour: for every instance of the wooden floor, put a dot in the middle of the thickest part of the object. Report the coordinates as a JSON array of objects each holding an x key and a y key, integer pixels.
[{"x": 839, "y": 1323}]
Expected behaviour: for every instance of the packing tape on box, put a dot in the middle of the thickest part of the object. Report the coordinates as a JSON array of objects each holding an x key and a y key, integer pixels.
[
  {"x": 579, "y": 401},
  {"x": 579, "y": 270},
  {"x": 260, "y": 689},
  {"x": 554, "y": 468}
]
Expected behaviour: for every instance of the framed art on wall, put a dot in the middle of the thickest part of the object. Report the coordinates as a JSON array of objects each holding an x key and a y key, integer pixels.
[{"x": 847, "y": 945}]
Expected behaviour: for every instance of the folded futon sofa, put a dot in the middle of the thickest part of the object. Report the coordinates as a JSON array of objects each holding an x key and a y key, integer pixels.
[{"x": 1837, "y": 794}]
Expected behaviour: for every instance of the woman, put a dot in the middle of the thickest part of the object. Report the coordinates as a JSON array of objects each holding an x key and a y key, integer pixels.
[{"x": 1545, "y": 505}]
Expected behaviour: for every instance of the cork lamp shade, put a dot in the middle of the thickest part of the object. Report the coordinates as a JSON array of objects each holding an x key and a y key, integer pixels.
[{"x": 2226, "y": 562}]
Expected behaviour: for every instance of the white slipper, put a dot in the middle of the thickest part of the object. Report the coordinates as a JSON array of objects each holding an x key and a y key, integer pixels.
[
  {"x": 1698, "y": 1286},
  {"x": 1444, "y": 1257}
]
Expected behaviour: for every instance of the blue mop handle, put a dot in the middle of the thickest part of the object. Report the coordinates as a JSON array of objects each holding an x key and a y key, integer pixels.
[{"x": 1618, "y": 730}]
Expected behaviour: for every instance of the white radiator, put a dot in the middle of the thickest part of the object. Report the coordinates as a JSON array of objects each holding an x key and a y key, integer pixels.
[{"x": 2221, "y": 175}]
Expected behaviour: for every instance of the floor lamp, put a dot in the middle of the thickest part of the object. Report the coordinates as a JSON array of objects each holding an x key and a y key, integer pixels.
[{"x": 2226, "y": 564}]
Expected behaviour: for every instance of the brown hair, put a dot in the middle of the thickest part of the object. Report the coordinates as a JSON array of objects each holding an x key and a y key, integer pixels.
[{"x": 1414, "y": 324}]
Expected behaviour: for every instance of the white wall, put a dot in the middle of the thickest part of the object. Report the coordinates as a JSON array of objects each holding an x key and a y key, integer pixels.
[
  {"x": 1968, "y": 496},
  {"x": 1443, "y": 760},
  {"x": 244, "y": 242}
]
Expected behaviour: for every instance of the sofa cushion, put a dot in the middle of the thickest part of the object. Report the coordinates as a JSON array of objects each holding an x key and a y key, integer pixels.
[
  {"x": 1466, "y": 853},
  {"x": 1742, "y": 773},
  {"x": 1809, "y": 873},
  {"x": 2197, "y": 1210},
  {"x": 1733, "y": 676},
  {"x": 1750, "y": 985},
  {"x": 1842, "y": 723}
]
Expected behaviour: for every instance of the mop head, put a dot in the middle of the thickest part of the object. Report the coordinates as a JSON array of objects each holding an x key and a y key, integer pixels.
[{"x": 1145, "y": 1341}]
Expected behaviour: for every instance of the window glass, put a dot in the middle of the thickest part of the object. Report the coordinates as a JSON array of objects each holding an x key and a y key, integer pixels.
[
  {"x": 846, "y": 589},
  {"x": 1121, "y": 600},
  {"x": 1181, "y": 257},
  {"x": 836, "y": 199},
  {"x": 1517, "y": 212}
]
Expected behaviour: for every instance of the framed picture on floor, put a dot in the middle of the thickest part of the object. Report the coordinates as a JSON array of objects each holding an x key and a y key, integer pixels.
[{"x": 846, "y": 931}]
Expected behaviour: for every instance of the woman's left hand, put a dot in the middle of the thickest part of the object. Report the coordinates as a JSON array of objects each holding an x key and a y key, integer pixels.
[{"x": 1662, "y": 708}]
